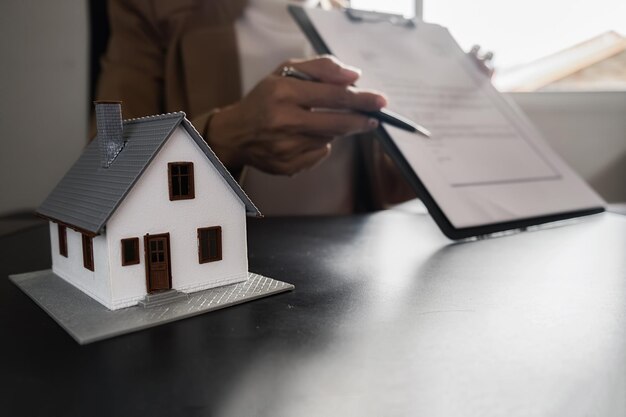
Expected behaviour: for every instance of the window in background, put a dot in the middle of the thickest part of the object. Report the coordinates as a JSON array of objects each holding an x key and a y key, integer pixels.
[{"x": 542, "y": 46}]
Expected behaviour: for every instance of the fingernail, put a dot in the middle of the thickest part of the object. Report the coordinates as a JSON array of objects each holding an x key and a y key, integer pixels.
[
  {"x": 350, "y": 71},
  {"x": 381, "y": 101},
  {"x": 373, "y": 123}
]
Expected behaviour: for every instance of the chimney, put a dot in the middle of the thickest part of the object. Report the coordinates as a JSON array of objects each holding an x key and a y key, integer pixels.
[{"x": 110, "y": 132}]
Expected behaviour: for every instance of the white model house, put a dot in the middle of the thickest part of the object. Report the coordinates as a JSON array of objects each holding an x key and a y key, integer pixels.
[{"x": 148, "y": 207}]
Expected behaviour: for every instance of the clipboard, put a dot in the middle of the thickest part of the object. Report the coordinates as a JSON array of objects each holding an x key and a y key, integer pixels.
[{"x": 444, "y": 213}]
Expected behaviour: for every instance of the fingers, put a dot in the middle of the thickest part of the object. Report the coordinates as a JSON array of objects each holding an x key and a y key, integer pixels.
[
  {"x": 483, "y": 60},
  {"x": 330, "y": 96},
  {"x": 327, "y": 69},
  {"x": 304, "y": 161},
  {"x": 274, "y": 129},
  {"x": 283, "y": 90},
  {"x": 323, "y": 123},
  {"x": 287, "y": 110},
  {"x": 291, "y": 146},
  {"x": 297, "y": 163}
]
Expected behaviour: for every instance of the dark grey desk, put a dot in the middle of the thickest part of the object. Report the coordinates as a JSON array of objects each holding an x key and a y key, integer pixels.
[{"x": 388, "y": 319}]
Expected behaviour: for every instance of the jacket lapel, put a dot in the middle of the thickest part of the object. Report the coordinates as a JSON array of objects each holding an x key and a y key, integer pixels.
[
  {"x": 202, "y": 62},
  {"x": 210, "y": 63}
]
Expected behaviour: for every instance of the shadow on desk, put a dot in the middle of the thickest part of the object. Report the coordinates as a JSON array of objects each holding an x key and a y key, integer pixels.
[
  {"x": 18, "y": 221},
  {"x": 387, "y": 318}
]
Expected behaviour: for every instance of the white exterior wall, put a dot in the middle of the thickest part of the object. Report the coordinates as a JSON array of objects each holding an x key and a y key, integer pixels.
[
  {"x": 95, "y": 283},
  {"x": 148, "y": 210}
]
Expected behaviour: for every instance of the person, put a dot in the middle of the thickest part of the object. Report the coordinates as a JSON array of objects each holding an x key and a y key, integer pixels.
[{"x": 211, "y": 59}]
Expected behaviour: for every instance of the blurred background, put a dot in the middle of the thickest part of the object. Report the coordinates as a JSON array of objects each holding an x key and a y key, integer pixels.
[{"x": 563, "y": 62}]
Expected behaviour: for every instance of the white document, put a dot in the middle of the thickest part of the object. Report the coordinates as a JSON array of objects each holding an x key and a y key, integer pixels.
[{"x": 484, "y": 163}]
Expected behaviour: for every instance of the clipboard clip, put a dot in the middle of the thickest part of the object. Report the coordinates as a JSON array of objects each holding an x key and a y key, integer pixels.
[{"x": 368, "y": 16}]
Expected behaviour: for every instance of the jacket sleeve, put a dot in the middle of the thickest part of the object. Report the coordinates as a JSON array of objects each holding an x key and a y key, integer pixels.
[{"x": 133, "y": 65}]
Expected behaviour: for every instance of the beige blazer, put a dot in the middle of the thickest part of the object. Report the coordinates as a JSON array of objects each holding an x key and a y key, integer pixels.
[{"x": 173, "y": 55}]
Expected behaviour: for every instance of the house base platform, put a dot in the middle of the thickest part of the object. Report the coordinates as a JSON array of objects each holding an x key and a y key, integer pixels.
[{"x": 87, "y": 321}]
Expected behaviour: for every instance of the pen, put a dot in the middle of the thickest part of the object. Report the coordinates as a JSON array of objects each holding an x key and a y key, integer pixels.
[{"x": 382, "y": 115}]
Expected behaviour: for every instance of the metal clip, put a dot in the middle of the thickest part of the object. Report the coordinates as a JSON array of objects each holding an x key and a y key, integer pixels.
[{"x": 358, "y": 16}]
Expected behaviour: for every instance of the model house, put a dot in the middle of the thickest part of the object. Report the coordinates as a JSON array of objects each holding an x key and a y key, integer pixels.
[{"x": 147, "y": 208}]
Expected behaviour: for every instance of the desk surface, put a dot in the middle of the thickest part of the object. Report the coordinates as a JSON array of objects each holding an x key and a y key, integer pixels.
[{"x": 388, "y": 319}]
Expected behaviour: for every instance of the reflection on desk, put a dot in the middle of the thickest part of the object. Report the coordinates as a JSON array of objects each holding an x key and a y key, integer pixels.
[{"x": 388, "y": 319}]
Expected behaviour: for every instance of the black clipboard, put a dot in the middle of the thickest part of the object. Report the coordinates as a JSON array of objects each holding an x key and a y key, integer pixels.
[{"x": 300, "y": 16}]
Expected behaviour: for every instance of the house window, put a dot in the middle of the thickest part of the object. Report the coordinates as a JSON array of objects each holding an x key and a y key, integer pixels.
[
  {"x": 181, "y": 180},
  {"x": 130, "y": 251},
  {"x": 209, "y": 244},
  {"x": 88, "y": 252},
  {"x": 62, "y": 240}
]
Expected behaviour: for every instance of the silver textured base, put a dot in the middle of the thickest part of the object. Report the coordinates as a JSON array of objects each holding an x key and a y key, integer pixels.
[{"x": 86, "y": 320}]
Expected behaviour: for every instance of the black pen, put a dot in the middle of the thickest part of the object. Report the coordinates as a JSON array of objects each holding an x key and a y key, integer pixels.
[{"x": 383, "y": 115}]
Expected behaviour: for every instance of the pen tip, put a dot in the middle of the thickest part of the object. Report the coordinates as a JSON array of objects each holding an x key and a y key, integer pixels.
[{"x": 421, "y": 132}]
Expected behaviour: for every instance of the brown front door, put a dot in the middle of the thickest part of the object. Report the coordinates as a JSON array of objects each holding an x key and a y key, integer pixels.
[{"x": 158, "y": 276}]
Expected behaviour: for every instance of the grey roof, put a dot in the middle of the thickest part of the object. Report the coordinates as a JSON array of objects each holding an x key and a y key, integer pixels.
[{"x": 88, "y": 195}]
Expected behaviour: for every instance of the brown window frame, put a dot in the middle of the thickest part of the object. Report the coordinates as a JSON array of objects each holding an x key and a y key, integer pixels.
[
  {"x": 204, "y": 260},
  {"x": 62, "y": 232},
  {"x": 88, "y": 252},
  {"x": 135, "y": 242},
  {"x": 173, "y": 177}
]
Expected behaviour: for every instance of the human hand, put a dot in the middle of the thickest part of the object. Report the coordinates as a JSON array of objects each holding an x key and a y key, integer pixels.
[
  {"x": 279, "y": 127},
  {"x": 483, "y": 60}
]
